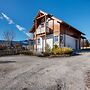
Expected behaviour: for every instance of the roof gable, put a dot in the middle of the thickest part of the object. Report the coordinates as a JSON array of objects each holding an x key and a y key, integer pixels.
[{"x": 40, "y": 13}]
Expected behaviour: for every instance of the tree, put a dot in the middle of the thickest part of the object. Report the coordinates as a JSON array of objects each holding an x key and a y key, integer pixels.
[
  {"x": 8, "y": 37},
  {"x": 86, "y": 43}
]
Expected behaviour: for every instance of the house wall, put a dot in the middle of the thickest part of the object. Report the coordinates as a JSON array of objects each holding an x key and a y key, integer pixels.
[
  {"x": 49, "y": 40},
  {"x": 40, "y": 29},
  {"x": 71, "y": 42},
  {"x": 39, "y": 46},
  {"x": 70, "y": 36},
  {"x": 56, "y": 30}
]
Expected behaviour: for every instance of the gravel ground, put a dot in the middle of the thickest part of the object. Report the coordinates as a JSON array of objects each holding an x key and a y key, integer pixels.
[{"x": 35, "y": 73}]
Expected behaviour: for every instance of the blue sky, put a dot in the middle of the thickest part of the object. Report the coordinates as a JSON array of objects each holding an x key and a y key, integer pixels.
[{"x": 22, "y": 12}]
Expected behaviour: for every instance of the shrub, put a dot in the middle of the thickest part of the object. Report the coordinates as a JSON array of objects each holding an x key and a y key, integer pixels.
[
  {"x": 26, "y": 52},
  {"x": 56, "y": 50},
  {"x": 47, "y": 48},
  {"x": 55, "y": 46},
  {"x": 59, "y": 51},
  {"x": 66, "y": 50},
  {"x": 47, "y": 51},
  {"x": 2, "y": 47}
]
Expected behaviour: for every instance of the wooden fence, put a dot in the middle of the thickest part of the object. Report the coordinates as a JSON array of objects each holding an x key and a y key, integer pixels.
[{"x": 9, "y": 52}]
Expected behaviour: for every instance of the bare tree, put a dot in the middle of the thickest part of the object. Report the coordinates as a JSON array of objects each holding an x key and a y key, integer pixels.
[{"x": 8, "y": 37}]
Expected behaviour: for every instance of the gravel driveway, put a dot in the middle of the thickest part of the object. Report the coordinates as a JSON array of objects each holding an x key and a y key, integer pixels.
[{"x": 35, "y": 73}]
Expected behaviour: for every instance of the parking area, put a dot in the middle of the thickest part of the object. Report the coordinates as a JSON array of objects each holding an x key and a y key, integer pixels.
[{"x": 39, "y": 73}]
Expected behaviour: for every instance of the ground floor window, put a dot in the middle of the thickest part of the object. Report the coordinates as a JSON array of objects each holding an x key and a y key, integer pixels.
[
  {"x": 55, "y": 38},
  {"x": 38, "y": 41},
  {"x": 61, "y": 38}
]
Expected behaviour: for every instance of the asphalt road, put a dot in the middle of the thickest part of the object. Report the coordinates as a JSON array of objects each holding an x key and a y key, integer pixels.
[{"x": 38, "y": 73}]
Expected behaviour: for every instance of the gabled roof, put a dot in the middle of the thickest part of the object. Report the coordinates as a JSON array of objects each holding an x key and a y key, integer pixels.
[{"x": 58, "y": 20}]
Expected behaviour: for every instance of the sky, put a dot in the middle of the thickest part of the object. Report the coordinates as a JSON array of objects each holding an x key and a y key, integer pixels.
[{"x": 18, "y": 15}]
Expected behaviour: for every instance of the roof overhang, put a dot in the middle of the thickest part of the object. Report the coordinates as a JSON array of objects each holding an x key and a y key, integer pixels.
[
  {"x": 72, "y": 27},
  {"x": 52, "y": 17}
]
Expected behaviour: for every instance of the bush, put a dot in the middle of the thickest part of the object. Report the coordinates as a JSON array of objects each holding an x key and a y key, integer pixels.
[
  {"x": 56, "y": 50},
  {"x": 66, "y": 50},
  {"x": 59, "y": 51},
  {"x": 47, "y": 51},
  {"x": 26, "y": 53},
  {"x": 2, "y": 47}
]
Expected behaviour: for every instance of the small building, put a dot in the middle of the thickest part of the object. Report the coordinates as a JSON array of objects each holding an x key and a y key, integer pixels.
[{"x": 49, "y": 30}]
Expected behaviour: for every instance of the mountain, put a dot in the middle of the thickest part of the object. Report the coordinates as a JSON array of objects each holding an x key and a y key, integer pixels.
[{"x": 23, "y": 43}]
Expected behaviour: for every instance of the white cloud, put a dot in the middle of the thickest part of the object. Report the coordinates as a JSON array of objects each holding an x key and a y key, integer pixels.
[
  {"x": 20, "y": 28},
  {"x": 28, "y": 34},
  {"x": 10, "y": 21}
]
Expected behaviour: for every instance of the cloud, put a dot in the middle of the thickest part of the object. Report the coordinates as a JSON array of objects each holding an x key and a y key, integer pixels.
[
  {"x": 20, "y": 28},
  {"x": 28, "y": 34},
  {"x": 10, "y": 21}
]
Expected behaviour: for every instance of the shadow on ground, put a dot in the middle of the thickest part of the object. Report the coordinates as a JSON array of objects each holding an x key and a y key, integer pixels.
[
  {"x": 85, "y": 50},
  {"x": 4, "y": 62}
]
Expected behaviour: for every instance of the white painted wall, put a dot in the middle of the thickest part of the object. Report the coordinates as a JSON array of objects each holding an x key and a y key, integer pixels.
[
  {"x": 49, "y": 40},
  {"x": 39, "y": 46},
  {"x": 71, "y": 42},
  {"x": 40, "y": 29}
]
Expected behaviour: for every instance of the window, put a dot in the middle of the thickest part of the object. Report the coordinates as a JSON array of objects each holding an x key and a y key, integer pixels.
[
  {"x": 56, "y": 38},
  {"x": 38, "y": 41},
  {"x": 46, "y": 23},
  {"x": 42, "y": 25},
  {"x": 61, "y": 38}
]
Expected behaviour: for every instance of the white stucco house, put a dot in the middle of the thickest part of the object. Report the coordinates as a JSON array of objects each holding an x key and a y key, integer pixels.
[{"x": 50, "y": 30}]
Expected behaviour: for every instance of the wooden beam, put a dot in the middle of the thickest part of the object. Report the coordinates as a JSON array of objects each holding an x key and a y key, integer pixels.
[
  {"x": 35, "y": 35},
  {"x": 53, "y": 32},
  {"x": 40, "y": 16},
  {"x": 41, "y": 34},
  {"x": 59, "y": 34},
  {"x": 45, "y": 31}
]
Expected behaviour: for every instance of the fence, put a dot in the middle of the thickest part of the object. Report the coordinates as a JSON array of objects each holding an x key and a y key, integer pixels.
[{"x": 9, "y": 52}]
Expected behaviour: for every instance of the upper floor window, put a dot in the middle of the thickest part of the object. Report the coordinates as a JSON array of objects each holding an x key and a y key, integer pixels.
[
  {"x": 46, "y": 23},
  {"x": 42, "y": 25}
]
